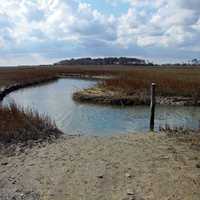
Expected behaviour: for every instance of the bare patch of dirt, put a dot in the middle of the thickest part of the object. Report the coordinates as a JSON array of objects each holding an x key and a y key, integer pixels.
[{"x": 135, "y": 166}]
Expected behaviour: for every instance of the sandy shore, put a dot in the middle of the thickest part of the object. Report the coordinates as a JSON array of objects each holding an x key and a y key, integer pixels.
[{"x": 137, "y": 167}]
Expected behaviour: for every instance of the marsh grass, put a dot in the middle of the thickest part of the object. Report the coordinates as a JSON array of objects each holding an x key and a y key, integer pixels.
[
  {"x": 22, "y": 75},
  {"x": 19, "y": 125},
  {"x": 170, "y": 82}
]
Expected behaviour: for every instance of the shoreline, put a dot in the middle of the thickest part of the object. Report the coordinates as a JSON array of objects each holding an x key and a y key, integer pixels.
[
  {"x": 132, "y": 166},
  {"x": 103, "y": 96},
  {"x": 14, "y": 87},
  {"x": 4, "y": 91}
]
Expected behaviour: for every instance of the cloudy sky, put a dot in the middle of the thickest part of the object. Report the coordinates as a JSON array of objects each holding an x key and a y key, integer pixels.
[{"x": 45, "y": 31}]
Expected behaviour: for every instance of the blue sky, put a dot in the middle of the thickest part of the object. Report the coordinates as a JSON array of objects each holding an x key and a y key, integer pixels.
[
  {"x": 108, "y": 8},
  {"x": 46, "y": 31}
]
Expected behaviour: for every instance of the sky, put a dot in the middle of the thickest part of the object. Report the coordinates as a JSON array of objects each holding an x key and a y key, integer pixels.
[{"x": 46, "y": 31}]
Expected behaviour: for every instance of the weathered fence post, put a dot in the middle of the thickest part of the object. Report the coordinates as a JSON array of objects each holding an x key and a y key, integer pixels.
[{"x": 152, "y": 107}]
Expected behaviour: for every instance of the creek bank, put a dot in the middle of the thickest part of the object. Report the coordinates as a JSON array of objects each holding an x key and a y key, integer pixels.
[
  {"x": 19, "y": 125},
  {"x": 83, "y": 76},
  {"x": 101, "y": 95},
  {"x": 7, "y": 90},
  {"x": 4, "y": 91}
]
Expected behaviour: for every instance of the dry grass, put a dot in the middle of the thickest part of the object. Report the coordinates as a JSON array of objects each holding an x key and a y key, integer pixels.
[
  {"x": 183, "y": 135},
  {"x": 174, "y": 81},
  {"x": 20, "y": 125},
  {"x": 170, "y": 82},
  {"x": 22, "y": 75}
]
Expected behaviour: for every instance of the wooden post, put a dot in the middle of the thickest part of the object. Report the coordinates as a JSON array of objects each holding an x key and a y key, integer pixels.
[{"x": 152, "y": 107}]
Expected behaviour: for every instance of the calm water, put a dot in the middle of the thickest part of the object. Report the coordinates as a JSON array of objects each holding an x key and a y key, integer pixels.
[{"x": 55, "y": 100}]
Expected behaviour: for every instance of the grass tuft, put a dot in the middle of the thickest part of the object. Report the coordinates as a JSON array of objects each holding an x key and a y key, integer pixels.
[
  {"x": 183, "y": 135},
  {"x": 20, "y": 125}
]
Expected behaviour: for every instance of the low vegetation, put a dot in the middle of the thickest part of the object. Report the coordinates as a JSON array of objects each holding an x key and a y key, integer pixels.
[
  {"x": 175, "y": 86},
  {"x": 102, "y": 95},
  {"x": 183, "y": 135},
  {"x": 170, "y": 82},
  {"x": 20, "y": 125},
  {"x": 22, "y": 75}
]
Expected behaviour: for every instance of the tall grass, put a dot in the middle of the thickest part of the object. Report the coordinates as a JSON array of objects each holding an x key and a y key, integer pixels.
[
  {"x": 171, "y": 82},
  {"x": 20, "y": 125},
  {"x": 23, "y": 75},
  {"x": 129, "y": 80}
]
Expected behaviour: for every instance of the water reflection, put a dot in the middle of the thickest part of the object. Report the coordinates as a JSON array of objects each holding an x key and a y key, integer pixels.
[{"x": 55, "y": 100}]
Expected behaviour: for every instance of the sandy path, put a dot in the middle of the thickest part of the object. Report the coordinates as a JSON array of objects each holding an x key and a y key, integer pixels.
[{"x": 150, "y": 167}]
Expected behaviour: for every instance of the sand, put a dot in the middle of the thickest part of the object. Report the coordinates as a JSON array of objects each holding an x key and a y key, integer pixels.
[{"x": 125, "y": 167}]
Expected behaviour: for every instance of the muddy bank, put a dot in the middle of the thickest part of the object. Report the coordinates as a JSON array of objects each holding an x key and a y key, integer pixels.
[
  {"x": 100, "y": 95},
  {"x": 125, "y": 167},
  {"x": 83, "y": 76},
  {"x": 178, "y": 101},
  {"x": 7, "y": 90}
]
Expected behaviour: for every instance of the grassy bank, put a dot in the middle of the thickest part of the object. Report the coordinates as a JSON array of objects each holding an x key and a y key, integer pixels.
[
  {"x": 13, "y": 75},
  {"x": 170, "y": 82},
  {"x": 175, "y": 86},
  {"x": 105, "y": 96},
  {"x": 130, "y": 85},
  {"x": 20, "y": 125}
]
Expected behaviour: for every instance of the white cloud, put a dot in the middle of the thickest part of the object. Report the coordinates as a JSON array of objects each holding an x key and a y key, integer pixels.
[
  {"x": 160, "y": 23},
  {"x": 1, "y": 43},
  {"x": 28, "y": 59},
  {"x": 33, "y": 25},
  {"x": 56, "y": 19}
]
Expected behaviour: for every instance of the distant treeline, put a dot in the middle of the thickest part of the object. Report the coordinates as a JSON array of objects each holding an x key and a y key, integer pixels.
[{"x": 105, "y": 61}]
